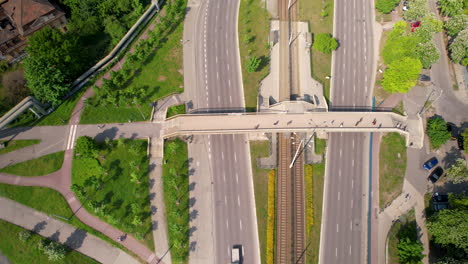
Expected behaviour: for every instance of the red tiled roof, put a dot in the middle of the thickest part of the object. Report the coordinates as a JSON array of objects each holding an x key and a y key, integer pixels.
[{"x": 25, "y": 11}]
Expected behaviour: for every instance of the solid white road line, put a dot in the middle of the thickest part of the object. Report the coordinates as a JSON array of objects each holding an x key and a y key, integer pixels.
[
  {"x": 238, "y": 200},
  {"x": 338, "y": 196},
  {"x": 237, "y": 177},
  {"x": 240, "y": 223}
]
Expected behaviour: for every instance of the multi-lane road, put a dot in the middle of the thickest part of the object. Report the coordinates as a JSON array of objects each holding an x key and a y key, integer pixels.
[
  {"x": 344, "y": 233},
  {"x": 215, "y": 85}
]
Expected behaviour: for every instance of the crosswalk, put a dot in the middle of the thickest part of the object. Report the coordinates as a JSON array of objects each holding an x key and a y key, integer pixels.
[{"x": 71, "y": 137}]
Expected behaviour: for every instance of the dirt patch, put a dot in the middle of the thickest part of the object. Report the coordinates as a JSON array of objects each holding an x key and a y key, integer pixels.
[
  {"x": 162, "y": 78},
  {"x": 14, "y": 87}
]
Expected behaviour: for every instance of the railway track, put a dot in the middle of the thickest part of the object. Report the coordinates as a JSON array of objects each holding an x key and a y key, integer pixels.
[
  {"x": 298, "y": 205},
  {"x": 283, "y": 201}
]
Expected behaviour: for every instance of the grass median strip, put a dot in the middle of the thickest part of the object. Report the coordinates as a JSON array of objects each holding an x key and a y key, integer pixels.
[
  {"x": 17, "y": 144},
  {"x": 254, "y": 28},
  {"x": 111, "y": 181},
  {"x": 392, "y": 167},
  {"x": 175, "y": 110},
  {"x": 37, "y": 167},
  {"x": 176, "y": 198},
  {"x": 261, "y": 184},
  {"x": 21, "y": 246}
]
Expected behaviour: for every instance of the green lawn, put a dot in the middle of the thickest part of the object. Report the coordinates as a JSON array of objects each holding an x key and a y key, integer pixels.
[
  {"x": 51, "y": 203},
  {"x": 160, "y": 75},
  {"x": 17, "y": 144},
  {"x": 311, "y": 11},
  {"x": 392, "y": 167},
  {"x": 313, "y": 238},
  {"x": 260, "y": 179},
  {"x": 37, "y": 167},
  {"x": 320, "y": 145},
  {"x": 254, "y": 23},
  {"x": 113, "y": 195},
  {"x": 176, "y": 198},
  {"x": 406, "y": 227},
  {"x": 26, "y": 252},
  {"x": 175, "y": 110}
]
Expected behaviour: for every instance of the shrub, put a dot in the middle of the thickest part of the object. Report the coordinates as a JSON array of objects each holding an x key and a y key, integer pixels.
[
  {"x": 410, "y": 251},
  {"x": 437, "y": 131},
  {"x": 459, "y": 47},
  {"x": 253, "y": 64},
  {"x": 417, "y": 9},
  {"x": 53, "y": 250},
  {"x": 427, "y": 53},
  {"x": 386, "y": 6},
  {"x": 451, "y": 7},
  {"x": 325, "y": 43},
  {"x": 24, "y": 235},
  {"x": 86, "y": 147},
  {"x": 456, "y": 24}
]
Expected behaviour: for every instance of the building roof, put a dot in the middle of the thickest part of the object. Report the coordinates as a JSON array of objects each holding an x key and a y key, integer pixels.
[{"x": 23, "y": 12}]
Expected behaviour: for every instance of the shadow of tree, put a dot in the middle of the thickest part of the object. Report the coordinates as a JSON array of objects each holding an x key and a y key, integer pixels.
[{"x": 76, "y": 239}]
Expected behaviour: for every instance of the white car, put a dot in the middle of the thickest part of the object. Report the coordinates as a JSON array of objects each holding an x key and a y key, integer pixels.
[{"x": 237, "y": 254}]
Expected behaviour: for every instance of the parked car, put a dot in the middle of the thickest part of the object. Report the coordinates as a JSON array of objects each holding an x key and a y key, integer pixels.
[
  {"x": 452, "y": 128},
  {"x": 428, "y": 165},
  {"x": 405, "y": 6},
  {"x": 436, "y": 174},
  {"x": 424, "y": 78},
  {"x": 460, "y": 141},
  {"x": 440, "y": 201}
]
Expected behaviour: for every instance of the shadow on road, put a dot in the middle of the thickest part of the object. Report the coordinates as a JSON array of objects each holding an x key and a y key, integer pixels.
[{"x": 76, "y": 239}]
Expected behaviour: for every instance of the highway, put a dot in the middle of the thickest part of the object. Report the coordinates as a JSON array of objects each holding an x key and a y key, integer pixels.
[
  {"x": 215, "y": 85},
  {"x": 344, "y": 232}
]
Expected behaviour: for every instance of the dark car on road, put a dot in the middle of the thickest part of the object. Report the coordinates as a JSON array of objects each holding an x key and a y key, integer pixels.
[
  {"x": 436, "y": 174},
  {"x": 428, "y": 165},
  {"x": 452, "y": 128}
]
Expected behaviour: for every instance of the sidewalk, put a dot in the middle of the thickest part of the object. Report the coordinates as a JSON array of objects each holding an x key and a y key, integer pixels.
[{"x": 74, "y": 238}]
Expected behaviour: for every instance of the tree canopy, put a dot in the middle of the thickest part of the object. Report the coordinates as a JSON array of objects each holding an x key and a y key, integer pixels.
[
  {"x": 450, "y": 226},
  {"x": 325, "y": 43},
  {"x": 456, "y": 24},
  {"x": 458, "y": 172},
  {"x": 410, "y": 251},
  {"x": 437, "y": 131},
  {"x": 451, "y": 7},
  {"x": 417, "y": 9},
  {"x": 386, "y": 6},
  {"x": 401, "y": 75},
  {"x": 427, "y": 53},
  {"x": 459, "y": 47}
]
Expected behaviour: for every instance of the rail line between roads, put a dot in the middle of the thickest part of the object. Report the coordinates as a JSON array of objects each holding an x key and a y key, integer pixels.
[{"x": 298, "y": 207}]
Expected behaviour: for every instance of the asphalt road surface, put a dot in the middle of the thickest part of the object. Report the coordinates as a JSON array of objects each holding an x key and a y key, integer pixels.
[
  {"x": 218, "y": 89},
  {"x": 345, "y": 220}
]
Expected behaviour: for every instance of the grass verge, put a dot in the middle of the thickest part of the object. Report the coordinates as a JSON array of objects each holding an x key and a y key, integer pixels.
[
  {"x": 314, "y": 191},
  {"x": 176, "y": 198},
  {"x": 160, "y": 75},
  {"x": 17, "y": 144},
  {"x": 392, "y": 165},
  {"x": 270, "y": 247},
  {"x": 254, "y": 28},
  {"x": 175, "y": 110},
  {"x": 51, "y": 203},
  {"x": 37, "y": 167},
  {"x": 319, "y": 14},
  {"x": 320, "y": 145},
  {"x": 405, "y": 227},
  {"x": 260, "y": 178},
  {"x": 399, "y": 109},
  {"x": 115, "y": 186},
  {"x": 25, "y": 252}
]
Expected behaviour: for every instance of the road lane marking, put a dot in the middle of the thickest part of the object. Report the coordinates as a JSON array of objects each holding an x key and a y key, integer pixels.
[
  {"x": 237, "y": 177},
  {"x": 222, "y": 155},
  {"x": 229, "y": 82},
  {"x": 339, "y": 173},
  {"x": 353, "y": 143},
  {"x": 230, "y": 99},
  {"x": 352, "y": 163},
  {"x": 351, "y": 204},
  {"x": 227, "y": 224},
  {"x": 336, "y": 252},
  {"x": 219, "y": 99},
  {"x": 224, "y": 177},
  {"x": 351, "y": 225},
  {"x": 209, "y": 156},
  {"x": 341, "y": 152},
  {"x": 350, "y": 250},
  {"x": 338, "y": 196},
  {"x": 352, "y": 183},
  {"x": 227, "y": 52},
  {"x": 227, "y": 67},
  {"x": 235, "y": 156},
  {"x": 217, "y": 75},
  {"x": 240, "y": 223},
  {"x": 216, "y": 61},
  {"x": 337, "y": 229},
  {"x": 225, "y": 200},
  {"x": 238, "y": 200}
]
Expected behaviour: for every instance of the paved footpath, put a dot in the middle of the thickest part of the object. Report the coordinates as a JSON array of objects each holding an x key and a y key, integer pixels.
[{"x": 74, "y": 238}]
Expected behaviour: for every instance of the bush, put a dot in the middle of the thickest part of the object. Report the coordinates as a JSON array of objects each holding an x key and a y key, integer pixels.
[
  {"x": 417, "y": 9},
  {"x": 456, "y": 24},
  {"x": 427, "y": 53},
  {"x": 437, "y": 131},
  {"x": 325, "y": 43},
  {"x": 459, "y": 47},
  {"x": 451, "y": 7},
  {"x": 410, "y": 251},
  {"x": 86, "y": 147},
  {"x": 24, "y": 235},
  {"x": 253, "y": 64},
  {"x": 53, "y": 250},
  {"x": 386, "y": 6}
]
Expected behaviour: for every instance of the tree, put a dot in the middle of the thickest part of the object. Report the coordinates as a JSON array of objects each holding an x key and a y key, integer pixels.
[
  {"x": 386, "y": 6},
  {"x": 86, "y": 147},
  {"x": 427, "y": 53},
  {"x": 399, "y": 45},
  {"x": 410, "y": 251},
  {"x": 449, "y": 260},
  {"x": 417, "y": 9},
  {"x": 137, "y": 220},
  {"x": 450, "y": 226},
  {"x": 325, "y": 43},
  {"x": 458, "y": 172},
  {"x": 401, "y": 75},
  {"x": 134, "y": 178},
  {"x": 253, "y": 64},
  {"x": 53, "y": 250},
  {"x": 451, "y": 7},
  {"x": 456, "y": 24},
  {"x": 114, "y": 28},
  {"x": 465, "y": 140},
  {"x": 459, "y": 47},
  {"x": 437, "y": 131},
  {"x": 429, "y": 25}
]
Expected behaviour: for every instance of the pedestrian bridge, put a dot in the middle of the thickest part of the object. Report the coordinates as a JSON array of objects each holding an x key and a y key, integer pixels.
[{"x": 240, "y": 123}]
